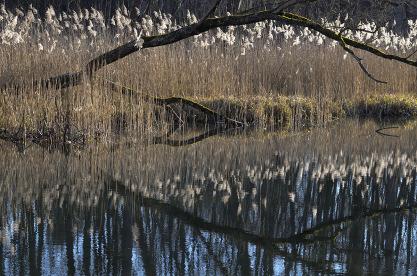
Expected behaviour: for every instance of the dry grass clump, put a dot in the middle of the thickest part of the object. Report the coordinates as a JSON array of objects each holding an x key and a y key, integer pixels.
[
  {"x": 385, "y": 106},
  {"x": 269, "y": 112},
  {"x": 91, "y": 111},
  {"x": 299, "y": 112}
]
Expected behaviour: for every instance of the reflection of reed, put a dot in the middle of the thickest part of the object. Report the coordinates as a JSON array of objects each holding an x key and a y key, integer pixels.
[
  {"x": 113, "y": 235},
  {"x": 108, "y": 240},
  {"x": 225, "y": 187}
]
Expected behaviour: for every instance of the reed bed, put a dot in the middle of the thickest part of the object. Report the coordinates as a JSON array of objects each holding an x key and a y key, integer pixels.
[{"x": 266, "y": 74}]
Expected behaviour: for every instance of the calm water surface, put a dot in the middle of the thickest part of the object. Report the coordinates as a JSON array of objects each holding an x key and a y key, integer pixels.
[{"x": 330, "y": 201}]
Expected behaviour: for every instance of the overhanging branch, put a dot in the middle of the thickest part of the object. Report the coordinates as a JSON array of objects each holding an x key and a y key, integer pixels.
[
  {"x": 207, "y": 23},
  {"x": 297, "y": 20}
]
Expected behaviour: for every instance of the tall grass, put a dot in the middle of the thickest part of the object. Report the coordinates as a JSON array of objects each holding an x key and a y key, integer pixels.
[{"x": 260, "y": 63}]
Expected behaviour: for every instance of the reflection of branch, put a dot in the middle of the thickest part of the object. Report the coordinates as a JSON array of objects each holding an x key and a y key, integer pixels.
[
  {"x": 200, "y": 223},
  {"x": 179, "y": 143},
  {"x": 368, "y": 213},
  {"x": 148, "y": 261},
  {"x": 379, "y": 131},
  {"x": 306, "y": 236},
  {"x": 211, "y": 253},
  {"x": 47, "y": 139}
]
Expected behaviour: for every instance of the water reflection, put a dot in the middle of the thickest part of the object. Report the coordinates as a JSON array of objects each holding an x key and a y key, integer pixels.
[{"x": 330, "y": 201}]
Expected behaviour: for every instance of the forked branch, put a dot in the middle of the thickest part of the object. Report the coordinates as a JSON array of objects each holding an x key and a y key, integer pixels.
[{"x": 359, "y": 61}]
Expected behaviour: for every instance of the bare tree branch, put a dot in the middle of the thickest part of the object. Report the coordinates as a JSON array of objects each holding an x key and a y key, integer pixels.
[
  {"x": 359, "y": 61},
  {"x": 344, "y": 29},
  {"x": 275, "y": 6},
  {"x": 297, "y": 20},
  {"x": 290, "y": 4},
  {"x": 412, "y": 54},
  {"x": 212, "y": 11}
]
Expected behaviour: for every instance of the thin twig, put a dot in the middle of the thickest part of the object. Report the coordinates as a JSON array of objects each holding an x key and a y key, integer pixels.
[
  {"x": 210, "y": 13},
  {"x": 412, "y": 54},
  {"x": 359, "y": 61}
]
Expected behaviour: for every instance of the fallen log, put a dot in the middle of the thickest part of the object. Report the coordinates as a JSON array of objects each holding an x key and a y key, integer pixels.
[{"x": 213, "y": 117}]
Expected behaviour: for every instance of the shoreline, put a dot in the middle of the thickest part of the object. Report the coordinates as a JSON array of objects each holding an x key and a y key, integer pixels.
[{"x": 275, "y": 114}]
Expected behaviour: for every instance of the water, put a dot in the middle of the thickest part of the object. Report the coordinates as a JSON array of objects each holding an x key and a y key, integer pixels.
[{"x": 246, "y": 204}]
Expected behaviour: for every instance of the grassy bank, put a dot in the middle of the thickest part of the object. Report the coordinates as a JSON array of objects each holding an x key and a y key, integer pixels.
[
  {"x": 270, "y": 113},
  {"x": 299, "y": 112}
]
